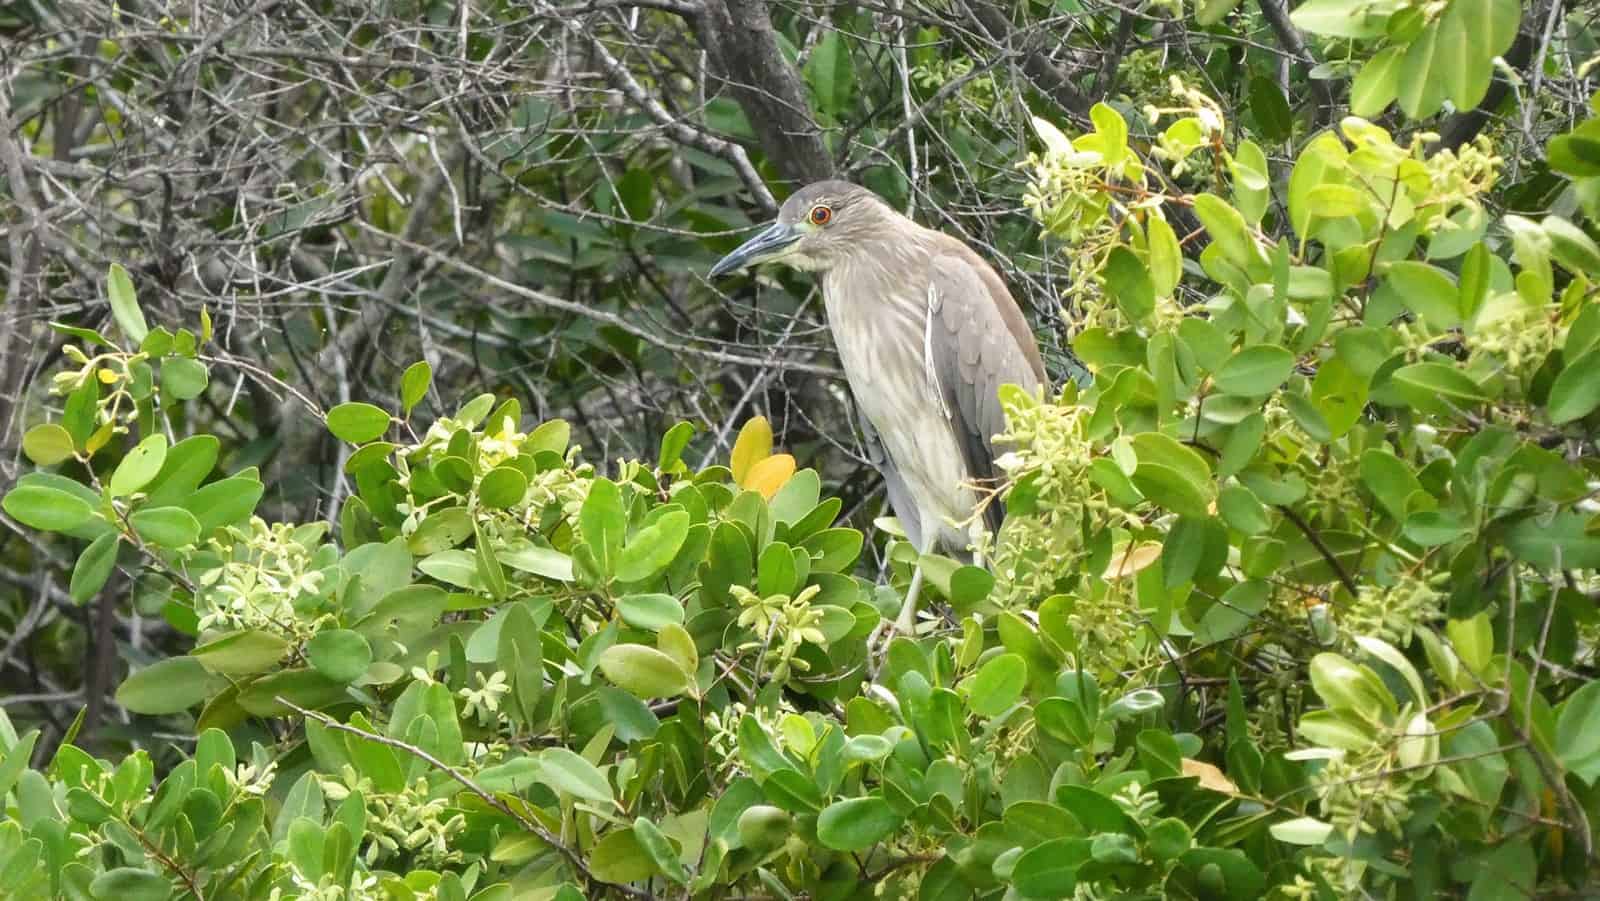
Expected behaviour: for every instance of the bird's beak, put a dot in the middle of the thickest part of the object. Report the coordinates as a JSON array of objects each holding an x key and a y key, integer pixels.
[{"x": 772, "y": 242}]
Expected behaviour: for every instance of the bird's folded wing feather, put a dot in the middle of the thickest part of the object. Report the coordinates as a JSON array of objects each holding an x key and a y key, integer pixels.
[{"x": 973, "y": 346}]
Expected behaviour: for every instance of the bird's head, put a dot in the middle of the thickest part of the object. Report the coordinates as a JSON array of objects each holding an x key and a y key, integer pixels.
[{"x": 816, "y": 227}]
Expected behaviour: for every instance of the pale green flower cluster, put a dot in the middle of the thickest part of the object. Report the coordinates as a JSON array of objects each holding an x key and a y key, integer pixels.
[
  {"x": 483, "y": 702},
  {"x": 781, "y": 624},
  {"x": 722, "y": 729},
  {"x": 1517, "y": 334},
  {"x": 1394, "y": 613},
  {"x": 1199, "y": 121},
  {"x": 362, "y": 887},
  {"x": 1066, "y": 195},
  {"x": 1047, "y": 447},
  {"x": 414, "y": 820},
  {"x": 935, "y": 74},
  {"x": 1362, "y": 793},
  {"x": 267, "y": 573}
]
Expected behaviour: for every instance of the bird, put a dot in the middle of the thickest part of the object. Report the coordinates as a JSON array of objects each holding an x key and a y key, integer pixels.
[{"x": 927, "y": 333}]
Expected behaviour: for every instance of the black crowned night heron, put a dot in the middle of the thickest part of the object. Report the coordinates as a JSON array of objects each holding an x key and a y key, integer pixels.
[{"x": 927, "y": 333}]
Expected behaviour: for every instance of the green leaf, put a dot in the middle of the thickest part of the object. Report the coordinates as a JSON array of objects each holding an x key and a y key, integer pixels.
[
  {"x": 14, "y": 761},
  {"x": 1377, "y": 84},
  {"x": 1228, "y": 229},
  {"x": 1172, "y": 475},
  {"x": 1301, "y": 831},
  {"x": 1271, "y": 109},
  {"x": 1473, "y": 640},
  {"x": 168, "y": 686},
  {"x": 653, "y": 547},
  {"x": 997, "y": 685},
  {"x": 1242, "y": 511},
  {"x": 659, "y": 849},
  {"x": 339, "y": 654},
  {"x": 553, "y": 436},
  {"x": 672, "y": 446},
  {"x": 1243, "y": 442},
  {"x": 601, "y": 522},
  {"x": 763, "y": 827},
  {"x": 1210, "y": 12},
  {"x": 1166, "y": 258},
  {"x": 414, "y": 385},
  {"x": 502, "y": 487},
  {"x": 1422, "y": 81},
  {"x": 1233, "y": 613},
  {"x": 1339, "y": 393},
  {"x": 1050, "y": 869},
  {"x": 1571, "y": 246},
  {"x": 1471, "y": 34},
  {"x": 650, "y": 611},
  {"x": 1424, "y": 382},
  {"x": 167, "y": 527},
  {"x": 1344, "y": 685},
  {"x": 139, "y": 466},
  {"x": 1129, "y": 284},
  {"x": 224, "y": 502},
  {"x": 856, "y": 824},
  {"x": 130, "y": 884},
  {"x": 1577, "y": 739},
  {"x": 188, "y": 463},
  {"x": 618, "y": 858},
  {"x": 1432, "y": 528},
  {"x": 1509, "y": 872},
  {"x": 1561, "y": 542},
  {"x": 1577, "y": 152},
  {"x": 47, "y": 444},
  {"x": 643, "y": 671},
  {"x": 1341, "y": 18},
  {"x": 1427, "y": 291},
  {"x": 1251, "y": 187},
  {"x": 242, "y": 653},
  {"x": 357, "y": 423},
  {"x": 453, "y": 567},
  {"x": 1576, "y": 390},
  {"x": 125, "y": 305},
  {"x": 831, "y": 74},
  {"x": 94, "y": 567},
  {"x": 46, "y": 508},
  {"x": 1112, "y": 130},
  {"x": 541, "y": 561},
  {"x": 183, "y": 378},
  {"x": 1255, "y": 371},
  {"x": 1335, "y": 201},
  {"x": 571, "y": 774}
]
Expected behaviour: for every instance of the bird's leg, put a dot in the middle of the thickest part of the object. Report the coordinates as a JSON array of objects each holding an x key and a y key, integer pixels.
[{"x": 907, "y": 623}]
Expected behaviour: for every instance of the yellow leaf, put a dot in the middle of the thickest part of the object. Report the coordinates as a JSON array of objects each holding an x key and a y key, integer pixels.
[
  {"x": 768, "y": 475},
  {"x": 1127, "y": 561},
  {"x": 1209, "y": 776},
  {"x": 754, "y": 444},
  {"x": 99, "y": 438}
]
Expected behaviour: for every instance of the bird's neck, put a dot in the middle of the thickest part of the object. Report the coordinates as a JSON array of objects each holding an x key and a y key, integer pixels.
[{"x": 879, "y": 283}]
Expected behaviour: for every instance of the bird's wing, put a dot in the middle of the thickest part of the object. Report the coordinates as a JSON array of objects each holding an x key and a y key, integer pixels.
[{"x": 976, "y": 340}]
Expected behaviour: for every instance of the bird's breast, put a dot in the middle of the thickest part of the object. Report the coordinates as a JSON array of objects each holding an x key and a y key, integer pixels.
[{"x": 878, "y": 328}]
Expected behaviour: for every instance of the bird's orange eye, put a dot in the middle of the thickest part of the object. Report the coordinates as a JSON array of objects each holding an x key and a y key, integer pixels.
[{"x": 820, "y": 215}]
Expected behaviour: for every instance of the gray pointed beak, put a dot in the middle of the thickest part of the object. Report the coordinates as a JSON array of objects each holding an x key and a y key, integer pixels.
[{"x": 770, "y": 243}]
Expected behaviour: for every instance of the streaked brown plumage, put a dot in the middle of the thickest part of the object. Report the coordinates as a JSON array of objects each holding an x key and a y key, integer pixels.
[{"x": 927, "y": 334}]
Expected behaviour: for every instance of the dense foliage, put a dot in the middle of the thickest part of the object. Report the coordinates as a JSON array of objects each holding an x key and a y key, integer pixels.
[{"x": 1296, "y": 596}]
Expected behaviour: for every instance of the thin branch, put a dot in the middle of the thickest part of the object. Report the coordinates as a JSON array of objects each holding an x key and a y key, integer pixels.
[{"x": 488, "y": 797}]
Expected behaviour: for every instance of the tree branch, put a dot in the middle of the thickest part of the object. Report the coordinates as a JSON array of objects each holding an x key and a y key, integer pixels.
[{"x": 744, "y": 54}]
